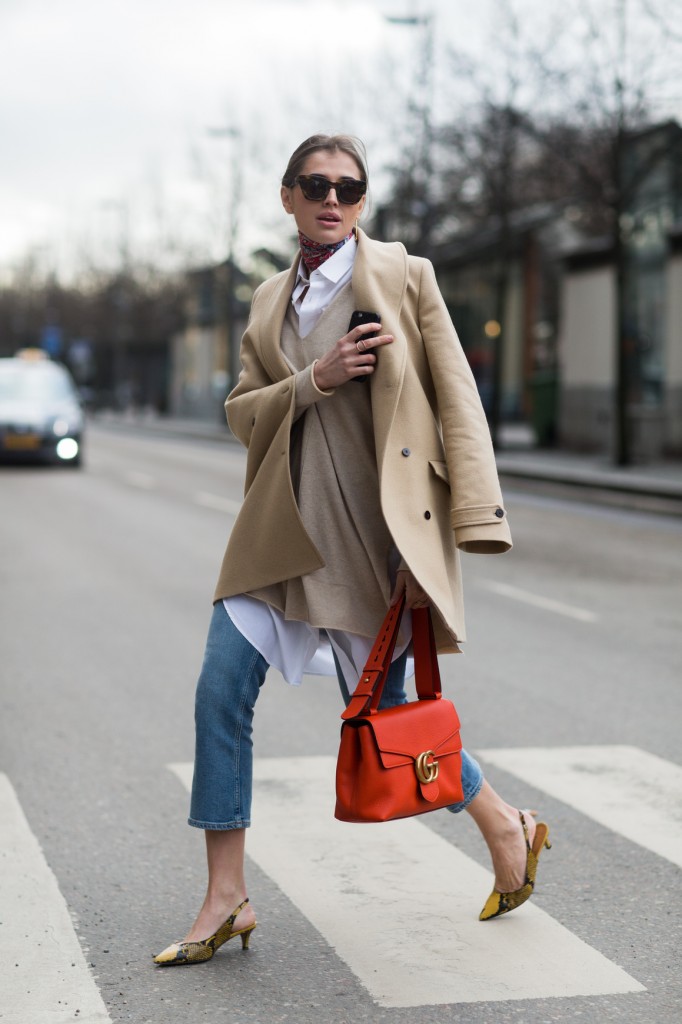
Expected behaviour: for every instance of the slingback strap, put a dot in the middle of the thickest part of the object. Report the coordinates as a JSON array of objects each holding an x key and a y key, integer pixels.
[{"x": 367, "y": 694}]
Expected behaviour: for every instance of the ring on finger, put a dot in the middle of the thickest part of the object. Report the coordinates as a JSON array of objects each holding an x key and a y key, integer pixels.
[{"x": 358, "y": 344}]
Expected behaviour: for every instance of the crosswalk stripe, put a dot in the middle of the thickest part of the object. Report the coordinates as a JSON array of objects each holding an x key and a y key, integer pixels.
[
  {"x": 399, "y": 904},
  {"x": 624, "y": 788},
  {"x": 46, "y": 979}
]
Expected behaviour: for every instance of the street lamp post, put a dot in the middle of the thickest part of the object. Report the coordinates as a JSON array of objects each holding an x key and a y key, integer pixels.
[
  {"x": 422, "y": 106},
  {"x": 122, "y": 298}
]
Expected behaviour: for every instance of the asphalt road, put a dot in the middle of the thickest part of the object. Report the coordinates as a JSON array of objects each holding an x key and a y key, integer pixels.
[{"x": 106, "y": 577}]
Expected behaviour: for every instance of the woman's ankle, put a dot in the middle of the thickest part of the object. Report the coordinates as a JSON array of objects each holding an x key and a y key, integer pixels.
[
  {"x": 215, "y": 911},
  {"x": 494, "y": 817}
]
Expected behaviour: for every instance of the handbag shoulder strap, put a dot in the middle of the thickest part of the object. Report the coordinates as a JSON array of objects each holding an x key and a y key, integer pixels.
[
  {"x": 367, "y": 694},
  {"x": 427, "y": 673},
  {"x": 373, "y": 676}
]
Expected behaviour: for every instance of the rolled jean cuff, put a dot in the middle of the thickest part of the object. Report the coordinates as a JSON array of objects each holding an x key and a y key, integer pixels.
[
  {"x": 472, "y": 780},
  {"x": 218, "y": 826}
]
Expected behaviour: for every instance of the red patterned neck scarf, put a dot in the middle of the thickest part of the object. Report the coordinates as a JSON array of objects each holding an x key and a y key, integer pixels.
[{"x": 314, "y": 254}]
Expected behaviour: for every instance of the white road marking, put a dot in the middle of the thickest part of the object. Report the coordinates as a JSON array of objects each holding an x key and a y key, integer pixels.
[
  {"x": 45, "y": 977},
  {"x": 548, "y": 604},
  {"x": 142, "y": 480},
  {"x": 208, "y": 500},
  {"x": 625, "y": 789},
  {"x": 400, "y": 904}
]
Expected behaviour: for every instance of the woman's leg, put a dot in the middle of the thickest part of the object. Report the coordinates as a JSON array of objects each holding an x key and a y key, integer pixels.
[
  {"x": 226, "y": 887},
  {"x": 231, "y": 676},
  {"x": 497, "y": 820},
  {"x": 499, "y": 824},
  {"x": 394, "y": 687},
  {"x": 501, "y": 828}
]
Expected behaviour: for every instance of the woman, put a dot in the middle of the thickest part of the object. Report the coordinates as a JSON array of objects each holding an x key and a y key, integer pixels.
[{"x": 355, "y": 493}]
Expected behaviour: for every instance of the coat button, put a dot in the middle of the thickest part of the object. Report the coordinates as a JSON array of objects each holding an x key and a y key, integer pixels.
[
  {"x": 499, "y": 512},
  {"x": 427, "y": 515},
  {"x": 406, "y": 452}
]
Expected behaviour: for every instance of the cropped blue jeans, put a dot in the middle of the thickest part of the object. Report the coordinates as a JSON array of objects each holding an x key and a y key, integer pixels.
[{"x": 232, "y": 674}]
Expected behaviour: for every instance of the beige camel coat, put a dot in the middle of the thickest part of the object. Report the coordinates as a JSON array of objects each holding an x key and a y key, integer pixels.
[{"x": 438, "y": 480}]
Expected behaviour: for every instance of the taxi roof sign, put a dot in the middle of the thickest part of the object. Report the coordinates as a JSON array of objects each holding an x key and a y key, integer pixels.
[{"x": 31, "y": 354}]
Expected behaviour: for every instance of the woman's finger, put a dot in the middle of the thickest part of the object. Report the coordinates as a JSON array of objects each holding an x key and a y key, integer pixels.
[
  {"x": 415, "y": 596},
  {"x": 383, "y": 339},
  {"x": 357, "y": 336},
  {"x": 399, "y": 588},
  {"x": 366, "y": 329}
]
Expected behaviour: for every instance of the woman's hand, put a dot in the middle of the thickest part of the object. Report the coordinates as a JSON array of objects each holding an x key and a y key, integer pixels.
[
  {"x": 406, "y": 584},
  {"x": 350, "y": 357}
]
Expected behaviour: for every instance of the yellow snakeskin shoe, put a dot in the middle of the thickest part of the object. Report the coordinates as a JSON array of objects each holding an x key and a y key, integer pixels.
[
  {"x": 199, "y": 952},
  {"x": 499, "y": 903}
]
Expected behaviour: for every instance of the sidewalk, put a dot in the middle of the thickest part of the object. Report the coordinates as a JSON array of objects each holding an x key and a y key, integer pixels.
[
  {"x": 654, "y": 486},
  {"x": 165, "y": 426}
]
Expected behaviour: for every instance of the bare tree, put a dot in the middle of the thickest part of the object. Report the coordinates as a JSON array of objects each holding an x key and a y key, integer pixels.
[
  {"x": 494, "y": 160},
  {"x": 552, "y": 114}
]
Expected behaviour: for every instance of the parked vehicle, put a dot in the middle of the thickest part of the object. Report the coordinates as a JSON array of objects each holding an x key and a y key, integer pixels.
[{"x": 41, "y": 416}]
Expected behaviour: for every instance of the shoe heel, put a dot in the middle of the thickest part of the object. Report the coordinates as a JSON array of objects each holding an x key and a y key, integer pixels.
[
  {"x": 246, "y": 936},
  {"x": 547, "y": 844}
]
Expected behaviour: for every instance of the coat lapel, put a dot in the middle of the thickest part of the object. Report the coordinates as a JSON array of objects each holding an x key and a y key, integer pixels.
[
  {"x": 272, "y": 320},
  {"x": 379, "y": 284}
]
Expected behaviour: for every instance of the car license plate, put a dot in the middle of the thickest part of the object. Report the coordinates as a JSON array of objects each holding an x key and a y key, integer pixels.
[{"x": 21, "y": 442}]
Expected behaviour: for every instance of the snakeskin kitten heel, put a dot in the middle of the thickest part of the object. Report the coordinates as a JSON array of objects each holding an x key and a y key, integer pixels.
[
  {"x": 499, "y": 903},
  {"x": 180, "y": 953}
]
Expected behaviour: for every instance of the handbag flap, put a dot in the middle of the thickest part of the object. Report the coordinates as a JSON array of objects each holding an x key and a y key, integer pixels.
[{"x": 404, "y": 732}]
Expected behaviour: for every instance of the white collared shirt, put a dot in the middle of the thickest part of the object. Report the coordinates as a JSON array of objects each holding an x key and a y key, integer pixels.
[{"x": 323, "y": 285}]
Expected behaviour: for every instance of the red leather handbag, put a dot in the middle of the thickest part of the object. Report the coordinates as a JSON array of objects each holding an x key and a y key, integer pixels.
[{"x": 403, "y": 760}]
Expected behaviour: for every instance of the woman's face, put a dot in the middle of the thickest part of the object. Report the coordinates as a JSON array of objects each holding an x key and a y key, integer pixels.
[{"x": 328, "y": 220}]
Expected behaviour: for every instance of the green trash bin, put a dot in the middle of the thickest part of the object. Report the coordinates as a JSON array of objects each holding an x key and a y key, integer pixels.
[{"x": 543, "y": 390}]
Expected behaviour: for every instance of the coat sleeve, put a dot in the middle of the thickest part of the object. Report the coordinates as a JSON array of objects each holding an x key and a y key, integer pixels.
[
  {"x": 477, "y": 514},
  {"x": 258, "y": 404}
]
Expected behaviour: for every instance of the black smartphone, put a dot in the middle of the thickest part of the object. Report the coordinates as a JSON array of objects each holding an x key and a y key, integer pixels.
[{"x": 361, "y": 316}]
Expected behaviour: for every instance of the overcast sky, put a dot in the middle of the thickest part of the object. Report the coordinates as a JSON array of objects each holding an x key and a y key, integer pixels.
[{"x": 105, "y": 107}]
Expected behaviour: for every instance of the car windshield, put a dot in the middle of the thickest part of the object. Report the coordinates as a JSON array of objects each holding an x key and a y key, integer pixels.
[{"x": 30, "y": 383}]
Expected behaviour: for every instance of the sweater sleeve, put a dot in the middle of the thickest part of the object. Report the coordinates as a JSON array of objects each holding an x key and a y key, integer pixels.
[
  {"x": 307, "y": 391},
  {"x": 258, "y": 405}
]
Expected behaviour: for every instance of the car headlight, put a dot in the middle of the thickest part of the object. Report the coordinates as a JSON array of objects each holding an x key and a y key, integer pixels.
[{"x": 67, "y": 449}]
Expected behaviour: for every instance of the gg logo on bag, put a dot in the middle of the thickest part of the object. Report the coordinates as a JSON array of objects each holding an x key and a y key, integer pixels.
[{"x": 426, "y": 772}]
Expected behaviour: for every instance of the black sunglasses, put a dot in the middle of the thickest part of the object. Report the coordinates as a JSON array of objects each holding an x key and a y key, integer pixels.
[{"x": 315, "y": 187}]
